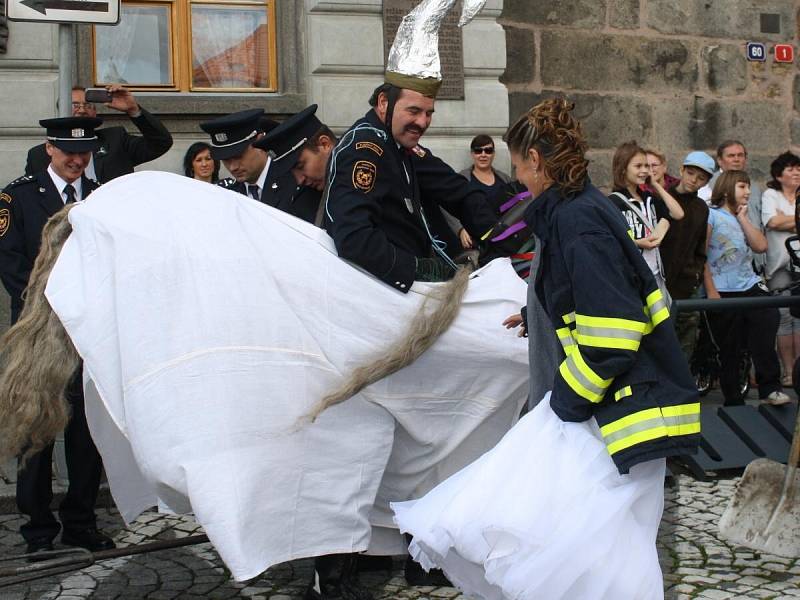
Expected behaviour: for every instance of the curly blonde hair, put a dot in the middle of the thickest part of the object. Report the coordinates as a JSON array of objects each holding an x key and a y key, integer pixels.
[{"x": 551, "y": 129}]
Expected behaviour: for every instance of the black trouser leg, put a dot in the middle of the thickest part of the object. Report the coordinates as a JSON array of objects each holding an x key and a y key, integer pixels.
[
  {"x": 761, "y": 329},
  {"x": 34, "y": 494},
  {"x": 726, "y": 329},
  {"x": 84, "y": 466}
]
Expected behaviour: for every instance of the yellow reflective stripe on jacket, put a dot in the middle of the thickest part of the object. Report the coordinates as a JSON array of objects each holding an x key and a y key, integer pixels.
[
  {"x": 566, "y": 338},
  {"x": 657, "y": 307},
  {"x": 580, "y": 377},
  {"x": 568, "y": 318},
  {"x": 622, "y": 393},
  {"x": 609, "y": 332},
  {"x": 651, "y": 424},
  {"x": 683, "y": 419}
]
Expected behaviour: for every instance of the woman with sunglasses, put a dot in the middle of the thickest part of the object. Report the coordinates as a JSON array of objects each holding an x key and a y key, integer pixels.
[{"x": 483, "y": 176}]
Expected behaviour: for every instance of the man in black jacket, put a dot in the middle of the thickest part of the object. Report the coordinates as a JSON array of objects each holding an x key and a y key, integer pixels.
[
  {"x": 385, "y": 191},
  {"x": 25, "y": 206},
  {"x": 118, "y": 151}
]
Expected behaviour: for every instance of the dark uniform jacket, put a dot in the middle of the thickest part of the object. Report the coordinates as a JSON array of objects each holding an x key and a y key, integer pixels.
[
  {"x": 282, "y": 192},
  {"x": 380, "y": 199},
  {"x": 119, "y": 152},
  {"x": 25, "y": 206},
  {"x": 621, "y": 362}
]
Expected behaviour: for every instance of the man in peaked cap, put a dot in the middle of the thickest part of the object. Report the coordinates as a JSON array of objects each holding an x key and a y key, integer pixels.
[
  {"x": 301, "y": 146},
  {"x": 385, "y": 190},
  {"x": 233, "y": 141},
  {"x": 25, "y": 206}
]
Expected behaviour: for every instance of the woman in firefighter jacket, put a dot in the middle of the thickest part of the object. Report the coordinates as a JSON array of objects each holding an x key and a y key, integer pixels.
[{"x": 567, "y": 505}]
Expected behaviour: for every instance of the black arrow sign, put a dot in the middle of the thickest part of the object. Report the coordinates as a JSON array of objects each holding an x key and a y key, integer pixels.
[{"x": 42, "y": 5}]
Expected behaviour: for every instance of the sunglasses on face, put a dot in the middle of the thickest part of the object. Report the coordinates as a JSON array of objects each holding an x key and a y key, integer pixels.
[{"x": 484, "y": 150}]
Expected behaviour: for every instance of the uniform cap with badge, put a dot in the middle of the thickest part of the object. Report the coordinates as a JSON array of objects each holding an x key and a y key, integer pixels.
[
  {"x": 73, "y": 134},
  {"x": 286, "y": 141},
  {"x": 233, "y": 133}
]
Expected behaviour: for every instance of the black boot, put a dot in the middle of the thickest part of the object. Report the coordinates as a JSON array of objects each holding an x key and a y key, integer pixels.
[{"x": 336, "y": 578}]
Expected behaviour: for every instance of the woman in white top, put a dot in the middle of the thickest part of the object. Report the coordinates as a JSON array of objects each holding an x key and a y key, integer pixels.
[{"x": 777, "y": 213}]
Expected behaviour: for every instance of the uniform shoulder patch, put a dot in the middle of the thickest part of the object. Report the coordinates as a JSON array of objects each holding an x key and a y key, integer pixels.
[
  {"x": 5, "y": 220},
  {"x": 419, "y": 151},
  {"x": 5, "y": 197},
  {"x": 364, "y": 174},
  {"x": 370, "y": 146}
]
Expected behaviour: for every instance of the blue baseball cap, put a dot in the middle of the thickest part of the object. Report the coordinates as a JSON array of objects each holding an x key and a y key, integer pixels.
[{"x": 701, "y": 160}]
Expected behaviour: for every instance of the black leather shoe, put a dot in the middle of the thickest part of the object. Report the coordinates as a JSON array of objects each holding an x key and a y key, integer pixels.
[
  {"x": 415, "y": 575},
  {"x": 37, "y": 546},
  {"x": 89, "y": 538}
]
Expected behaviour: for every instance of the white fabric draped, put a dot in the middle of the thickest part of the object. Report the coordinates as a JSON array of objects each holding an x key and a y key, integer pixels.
[{"x": 209, "y": 323}]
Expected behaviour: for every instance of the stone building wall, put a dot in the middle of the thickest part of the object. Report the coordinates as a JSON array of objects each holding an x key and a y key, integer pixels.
[{"x": 671, "y": 74}]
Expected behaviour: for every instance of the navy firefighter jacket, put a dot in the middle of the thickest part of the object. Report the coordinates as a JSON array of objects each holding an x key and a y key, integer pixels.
[{"x": 621, "y": 360}]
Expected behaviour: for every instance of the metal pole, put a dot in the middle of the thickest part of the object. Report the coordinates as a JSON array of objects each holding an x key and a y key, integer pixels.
[
  {"x": 735, "y": 303},
  {"x": 66, "y": 52}
]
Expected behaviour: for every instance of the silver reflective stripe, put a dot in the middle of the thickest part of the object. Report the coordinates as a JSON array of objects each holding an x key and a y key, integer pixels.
[
  {"x": 576, "y": 373},
  {"x": 632, "y": 429},
  {"x": 682, "y": 420},
  {"x": 658, "y": 305},
  {"x": 566, "y": 339},
  {"x": 609, "y": 332}
]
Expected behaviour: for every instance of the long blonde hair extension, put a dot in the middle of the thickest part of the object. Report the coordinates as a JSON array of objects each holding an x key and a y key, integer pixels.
[
  {"x": 37, "y": 359},
  {"x": 424, "y": 329}
]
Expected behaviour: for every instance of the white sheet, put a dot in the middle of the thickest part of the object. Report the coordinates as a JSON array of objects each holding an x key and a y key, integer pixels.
[{"x": 208, "y": 323}]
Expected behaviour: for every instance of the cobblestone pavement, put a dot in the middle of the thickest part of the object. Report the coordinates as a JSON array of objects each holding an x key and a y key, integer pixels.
[{"x": 696, "y": 563}]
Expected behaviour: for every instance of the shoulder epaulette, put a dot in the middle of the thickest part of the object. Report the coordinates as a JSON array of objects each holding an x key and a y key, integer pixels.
[{"x": 19, "y": 181}]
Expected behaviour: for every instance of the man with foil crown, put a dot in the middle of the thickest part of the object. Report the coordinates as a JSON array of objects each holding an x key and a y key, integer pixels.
[{"x": 384, "y": 189}]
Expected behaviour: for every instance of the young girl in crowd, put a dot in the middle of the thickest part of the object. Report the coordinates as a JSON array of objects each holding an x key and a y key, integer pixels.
[
  {"x": 731, "y": 240},
  {"x": 567, "y": 505},
  {"x": 645, "y": 212}
]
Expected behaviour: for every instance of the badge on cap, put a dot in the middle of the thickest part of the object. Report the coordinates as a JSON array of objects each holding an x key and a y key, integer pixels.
[
  {"x": 5, "y": 220},
  {"x": 5, "y": 197},
  {"x": 78, "y": 133},
  {"x": 221, "y": 137},
  {"x": 364, "y": 175}
]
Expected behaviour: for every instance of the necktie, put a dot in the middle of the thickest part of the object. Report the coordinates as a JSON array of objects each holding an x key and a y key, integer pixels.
[
  {"x": 253, "y": 190},
  {"x": 69, "y": 191}
]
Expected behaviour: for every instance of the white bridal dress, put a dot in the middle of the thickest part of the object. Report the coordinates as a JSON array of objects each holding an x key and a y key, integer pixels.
[{"x": 543, "y": 516}]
